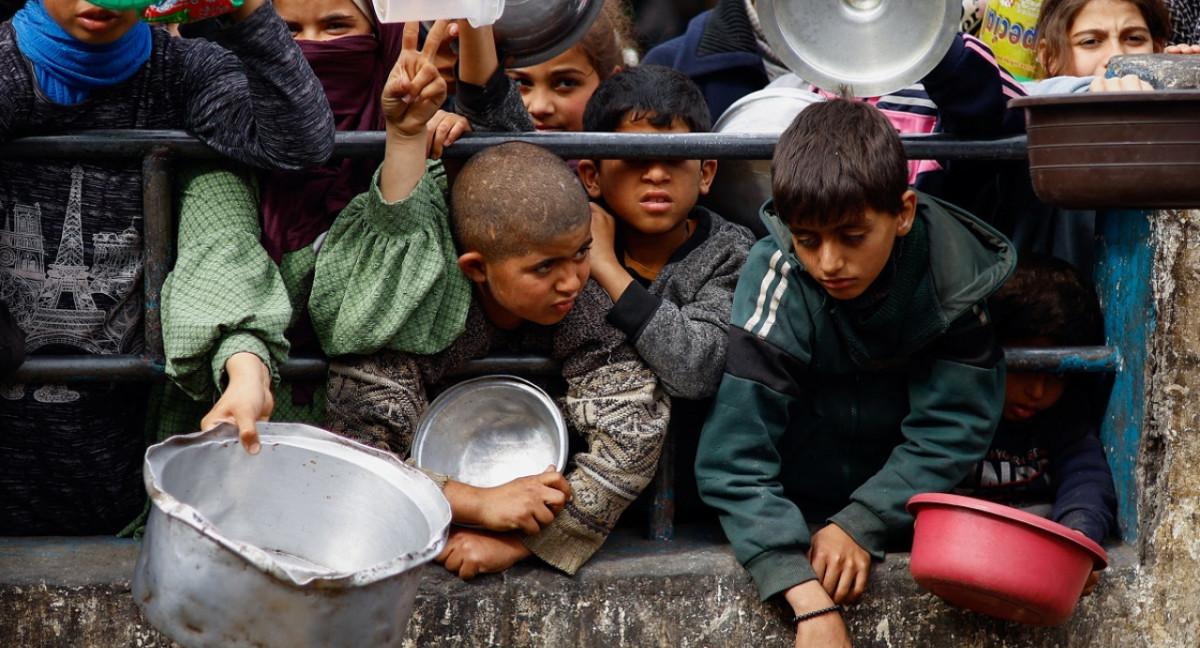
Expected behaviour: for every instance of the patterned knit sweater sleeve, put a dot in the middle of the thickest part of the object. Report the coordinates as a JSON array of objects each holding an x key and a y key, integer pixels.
[
  {"x": 496, "y": 106},
  {"x": 614, "y": 401},
  {"x": 224, "y": 295},
  {"x": 387, "y": 274},
  {"x": 255, "y": 99}
]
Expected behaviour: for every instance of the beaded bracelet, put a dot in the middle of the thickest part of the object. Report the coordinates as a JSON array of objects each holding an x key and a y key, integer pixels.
[{"x": 816, "y": 613}]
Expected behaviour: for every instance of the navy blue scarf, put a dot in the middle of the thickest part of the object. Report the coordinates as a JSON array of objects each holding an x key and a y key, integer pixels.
[{"x": 67, "y": 69}]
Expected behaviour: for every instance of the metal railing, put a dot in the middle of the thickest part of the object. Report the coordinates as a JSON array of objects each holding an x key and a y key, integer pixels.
[{"x": 163, "y": 151}]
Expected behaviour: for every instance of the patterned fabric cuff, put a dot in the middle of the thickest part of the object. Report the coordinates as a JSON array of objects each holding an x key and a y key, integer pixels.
[{"x": 564, "y": 545}]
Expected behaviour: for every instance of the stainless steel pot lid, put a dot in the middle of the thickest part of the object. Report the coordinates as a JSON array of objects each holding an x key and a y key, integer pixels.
[
  {"x": 490, "y": 430},
  {"x": 874, "y": 46}
]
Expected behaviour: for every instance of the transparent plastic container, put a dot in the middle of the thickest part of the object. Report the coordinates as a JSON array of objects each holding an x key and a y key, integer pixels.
[{"x": 477, "y": 12}]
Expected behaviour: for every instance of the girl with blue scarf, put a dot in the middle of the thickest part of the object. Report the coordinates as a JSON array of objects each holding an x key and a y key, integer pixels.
[{"x": 71, "y": 245}]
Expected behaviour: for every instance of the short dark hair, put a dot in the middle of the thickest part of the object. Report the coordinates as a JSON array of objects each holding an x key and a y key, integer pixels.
[
  {"x": 837, "y": 158},
  {"x": 1056, "y": 17},
  {"x": 1046, "y": 297},
  {"x": 513, "y": 196},
  {"x": 656, "y": 93}
]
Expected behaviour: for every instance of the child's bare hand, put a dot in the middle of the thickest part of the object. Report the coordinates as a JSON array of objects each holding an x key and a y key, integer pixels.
[
  {"x": 526, "y": 503},
  {"x": 469, "y": 553},
  {"x": 246, "y": 400},
  {"x": 414, "y": 90},
  {"x": 444, "y": 129},
  {"x": 604, "y": 234},
  {"x": 1182, "y": 49},
  {"x": 1127, "y": 83},
  {"x": 841, "y": 565}
]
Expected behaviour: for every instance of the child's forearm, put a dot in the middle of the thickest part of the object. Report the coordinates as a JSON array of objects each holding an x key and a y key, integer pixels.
[
  {"x": 477, "y": 60},
  {"x": 403, "y": 164}
]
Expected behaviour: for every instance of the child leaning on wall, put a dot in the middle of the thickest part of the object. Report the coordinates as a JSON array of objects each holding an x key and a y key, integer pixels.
[
  {"x": 669, "y": 265},
  {"x": 523, "y": 229},
  {"x": 862, "y": 366},
  {"x": 237, "y": 301},
  {"x": 72, "y": 253},
  {"x": 1047, "y": 457},
  {"x": 556, "y": 92}
]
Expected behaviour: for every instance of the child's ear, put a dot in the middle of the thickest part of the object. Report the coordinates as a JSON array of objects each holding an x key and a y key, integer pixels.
[
  {"x": 474, "y": 266},
  {"x": 708, "y": 171},
  {"x": 1043, "y": 58},
  {"x": 907, "y": 213},
  {"x": 589, "y": 174}
]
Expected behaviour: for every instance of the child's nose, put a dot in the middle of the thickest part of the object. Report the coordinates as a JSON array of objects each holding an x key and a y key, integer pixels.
[
  {"x": 1035, "y": 387},
  {"x": 830, "y": 259},
  {"x": 538, "y": 103},
  {"x": 570, "y": 282},
  {"x": 656, "y": 172}
]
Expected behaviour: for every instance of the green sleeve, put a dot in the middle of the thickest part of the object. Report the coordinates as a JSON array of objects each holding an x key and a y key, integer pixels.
[
  {"x": 224, "y": 294},
  {"x": 387, "y": 274},
  {"x": 739, "y": 467}
]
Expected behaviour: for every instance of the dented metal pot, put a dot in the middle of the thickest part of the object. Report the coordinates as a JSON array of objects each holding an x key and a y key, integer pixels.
[{"x": 316, "y": 541}]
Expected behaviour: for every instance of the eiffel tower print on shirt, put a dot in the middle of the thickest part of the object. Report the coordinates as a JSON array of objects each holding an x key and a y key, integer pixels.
[{"x": 57, "y": 303}]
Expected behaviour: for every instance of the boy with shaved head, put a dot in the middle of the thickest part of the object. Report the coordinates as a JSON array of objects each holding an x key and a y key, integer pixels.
[{"x": 523, "y": 229}]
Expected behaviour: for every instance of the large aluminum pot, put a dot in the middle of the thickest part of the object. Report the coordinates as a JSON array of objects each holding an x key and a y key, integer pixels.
[{"x": 316, "y": 541}]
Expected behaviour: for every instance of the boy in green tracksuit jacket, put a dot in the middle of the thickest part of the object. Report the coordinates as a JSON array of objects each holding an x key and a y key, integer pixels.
[{"x": 862, "y": 367}]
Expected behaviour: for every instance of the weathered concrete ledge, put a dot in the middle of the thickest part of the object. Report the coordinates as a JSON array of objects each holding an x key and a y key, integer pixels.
[{"x": 59, "y": 593}]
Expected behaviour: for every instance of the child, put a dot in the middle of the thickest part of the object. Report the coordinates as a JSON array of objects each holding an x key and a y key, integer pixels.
[
  {"x": 523, "y": 228},
  {"x": 1046, "y": 456},
  {"x": 556, "y": 92},
  {"x": 72, "y": 255},
  {"x": 862, "y": 368},
  {"x": 229, "y": 341},
  {"x": 669, "y": 265}
]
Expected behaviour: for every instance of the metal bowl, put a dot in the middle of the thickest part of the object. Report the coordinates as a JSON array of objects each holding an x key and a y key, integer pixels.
[
  {"x": 490, "y": 430},
  {"x": 874, "y": 46},
  {"x": 535, "y": 31},
  {"x": 742, "y": 186},
  {"x": 314, "y": 542}
]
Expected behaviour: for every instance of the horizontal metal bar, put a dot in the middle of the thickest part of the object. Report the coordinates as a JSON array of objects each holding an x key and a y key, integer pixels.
[
  {"x": 88, "y": 368},
  {"x": 728, "y": 146},
  {"x": 1098, "y": 359},
  {"x": 1088, "y": 359}
]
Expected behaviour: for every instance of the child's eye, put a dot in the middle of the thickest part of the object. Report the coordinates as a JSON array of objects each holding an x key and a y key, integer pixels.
[
  {"x": 854, "y": 238},
  {"x": 583, "y": 252},
  {"x": 523, "y": 84},
  {"x": 566, "y": 84},
  {"x": 293, "y": 27},
  {"x": 1089, "y": 42},
  {"x": 807, "y": 242}
]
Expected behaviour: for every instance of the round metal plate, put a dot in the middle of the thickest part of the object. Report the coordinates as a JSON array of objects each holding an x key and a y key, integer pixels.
[
  {"x": 874, "y": 46},
  {"x": 490, "y": 430}
]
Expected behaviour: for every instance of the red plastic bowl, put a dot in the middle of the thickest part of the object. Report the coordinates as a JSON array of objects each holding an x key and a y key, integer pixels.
[{"x": 998, "y": 560}]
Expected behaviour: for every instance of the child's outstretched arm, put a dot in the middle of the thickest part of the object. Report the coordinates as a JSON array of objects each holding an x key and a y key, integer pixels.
[
  {"x": 486, "y": 96},
  {"x": 411, "y": 96}
]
